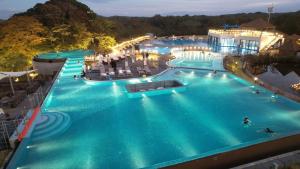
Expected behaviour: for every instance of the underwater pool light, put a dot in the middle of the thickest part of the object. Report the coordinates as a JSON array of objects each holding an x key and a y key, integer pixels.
[{"x": 209, "y": 74}]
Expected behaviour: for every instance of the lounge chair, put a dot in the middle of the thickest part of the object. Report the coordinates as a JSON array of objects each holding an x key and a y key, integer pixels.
[
  {"x": 120, "y": 72},
  {"x": 94, "y": 71},
  {"x": 128, "y": 71},
  {"x": 147, "y": 70},
  {"x": 103, "y": 74},
  {"x": 140, "y": 71},
  {"x": 111, "y": 71}
]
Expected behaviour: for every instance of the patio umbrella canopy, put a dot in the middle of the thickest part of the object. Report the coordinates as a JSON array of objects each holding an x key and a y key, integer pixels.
[{"x": 13, "y": 74}]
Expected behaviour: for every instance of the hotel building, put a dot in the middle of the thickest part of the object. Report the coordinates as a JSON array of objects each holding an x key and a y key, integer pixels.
[{"x": 255, "y": 37}]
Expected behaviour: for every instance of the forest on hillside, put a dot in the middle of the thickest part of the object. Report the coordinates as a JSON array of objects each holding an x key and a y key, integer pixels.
[
  {"x": 288, "y": 23},
  {"x": 68, "y": 24}
]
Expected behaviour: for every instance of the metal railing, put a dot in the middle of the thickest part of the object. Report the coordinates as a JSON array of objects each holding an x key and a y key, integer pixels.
[{"x": 9, "y": 125}]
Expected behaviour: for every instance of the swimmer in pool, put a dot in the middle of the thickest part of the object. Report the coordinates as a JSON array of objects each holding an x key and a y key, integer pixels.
[
  {"x": 246, "y": 121},
  {"x": 268, "y": 130}
]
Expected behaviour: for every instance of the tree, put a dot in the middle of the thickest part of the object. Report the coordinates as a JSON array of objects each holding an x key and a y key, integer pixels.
[
  {"x": 103, "y": 44},
  {"x": 69, "y": 37},
  {"x": 59, "y": 36},
  {"x": 19, "y": 42},
  {"x": 82, "y": 37}
]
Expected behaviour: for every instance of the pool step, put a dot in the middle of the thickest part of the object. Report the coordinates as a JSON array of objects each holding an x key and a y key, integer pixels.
[
  {"x": 67, "y": 66},
  {"x": 52, "y": 123},
  {"x": 74, "y": 60},
  {"x": 72, "y": 67}
]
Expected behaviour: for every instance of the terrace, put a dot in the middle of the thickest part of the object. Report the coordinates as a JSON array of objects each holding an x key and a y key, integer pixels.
[
  {"x": 140, "y": 79},
  {"x": 62, "y": 107}
]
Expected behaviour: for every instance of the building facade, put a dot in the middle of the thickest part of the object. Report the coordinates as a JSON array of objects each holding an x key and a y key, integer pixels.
[{"x": 250, "y": 38}]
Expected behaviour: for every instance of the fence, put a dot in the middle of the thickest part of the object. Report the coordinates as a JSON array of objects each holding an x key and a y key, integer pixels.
[{"x": 9, "y": 126}]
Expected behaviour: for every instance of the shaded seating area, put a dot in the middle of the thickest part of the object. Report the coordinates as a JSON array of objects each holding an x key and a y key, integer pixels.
[
  {"x": 15, "y": 86},
  {"x": 124, "y": 65}
]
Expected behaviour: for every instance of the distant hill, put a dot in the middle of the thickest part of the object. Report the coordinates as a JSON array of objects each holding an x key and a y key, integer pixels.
[
  {"x": 68, "y": 24},
  {"x": 55, "y": 12},
  {"x": 53, "y": 26},
  {"x": 288, "y": 23}
]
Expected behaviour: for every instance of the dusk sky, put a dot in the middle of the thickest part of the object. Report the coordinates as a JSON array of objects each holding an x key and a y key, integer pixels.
[{"x": 163, "y": 7}]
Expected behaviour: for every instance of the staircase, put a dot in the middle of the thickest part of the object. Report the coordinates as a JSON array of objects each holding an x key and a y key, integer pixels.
[
  {"x": 272, "y": 42},
  {"x": 73, "y": 66}
]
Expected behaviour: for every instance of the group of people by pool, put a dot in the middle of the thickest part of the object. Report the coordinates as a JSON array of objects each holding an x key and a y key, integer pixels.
[
  {"x": 247, "y": 122},
  {"x": 79, "y": 76}
]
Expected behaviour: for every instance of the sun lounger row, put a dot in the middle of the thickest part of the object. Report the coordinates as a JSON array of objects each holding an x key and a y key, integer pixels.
[
  {"x": 145, "y": 71},
  {"x": 120, "y": 72}
]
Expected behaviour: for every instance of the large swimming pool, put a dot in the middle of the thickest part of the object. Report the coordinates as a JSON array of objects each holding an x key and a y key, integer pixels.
[
  {"x": 63, "y": 55},
  {"x": 165, "y": 46},
  {"x": 86, "y": 124},
  {"x": 197, "y": 59}
]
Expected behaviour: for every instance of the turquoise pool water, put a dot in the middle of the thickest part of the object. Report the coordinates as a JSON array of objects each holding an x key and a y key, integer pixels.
[
  {"x": 164, "y": 46},
  {"x": 96, "y": 125},
  {"x": 68, "y": 54},
  {"x": 197, "y": 59}
]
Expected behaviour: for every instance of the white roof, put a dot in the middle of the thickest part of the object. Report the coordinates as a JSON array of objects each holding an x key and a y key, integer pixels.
[
  {"x": 2, "y": 76},
  {"x": 14, "y": 74}
]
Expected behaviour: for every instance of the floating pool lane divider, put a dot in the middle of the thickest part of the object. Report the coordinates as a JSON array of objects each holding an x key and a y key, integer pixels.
[{"x": 29, "y": 123}]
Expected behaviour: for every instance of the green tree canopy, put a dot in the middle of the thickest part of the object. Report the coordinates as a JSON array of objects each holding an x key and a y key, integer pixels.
[
  {"x": 104, "y": 44},
  {"x": 20, "y": 38}
]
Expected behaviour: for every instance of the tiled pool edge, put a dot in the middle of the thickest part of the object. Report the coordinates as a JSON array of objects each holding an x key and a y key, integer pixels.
[
  {"x": 208, "y": 156},
  {"x": 19, "y": 150}
]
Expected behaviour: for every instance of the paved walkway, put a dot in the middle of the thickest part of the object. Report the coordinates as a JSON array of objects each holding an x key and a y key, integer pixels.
[{"x": 280, "y": 161}]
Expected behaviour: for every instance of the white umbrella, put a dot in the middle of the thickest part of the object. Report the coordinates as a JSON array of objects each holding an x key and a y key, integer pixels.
[
  {"x": 84, "y": 68},
  {"x": 126, "y": 63},
  {"x": 133, "y": 58},
  {"x": 13, "y": 74}
]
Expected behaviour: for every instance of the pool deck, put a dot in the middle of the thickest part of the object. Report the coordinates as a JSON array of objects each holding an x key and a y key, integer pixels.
[
  {"x": 228, "y": 158},
  {"x": 281, "y": 161},
  {"x": 156, "y": 67}
]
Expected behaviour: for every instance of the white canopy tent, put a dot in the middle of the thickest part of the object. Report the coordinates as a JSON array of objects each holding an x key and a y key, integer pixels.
[{"x": 14, "y": 74}]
